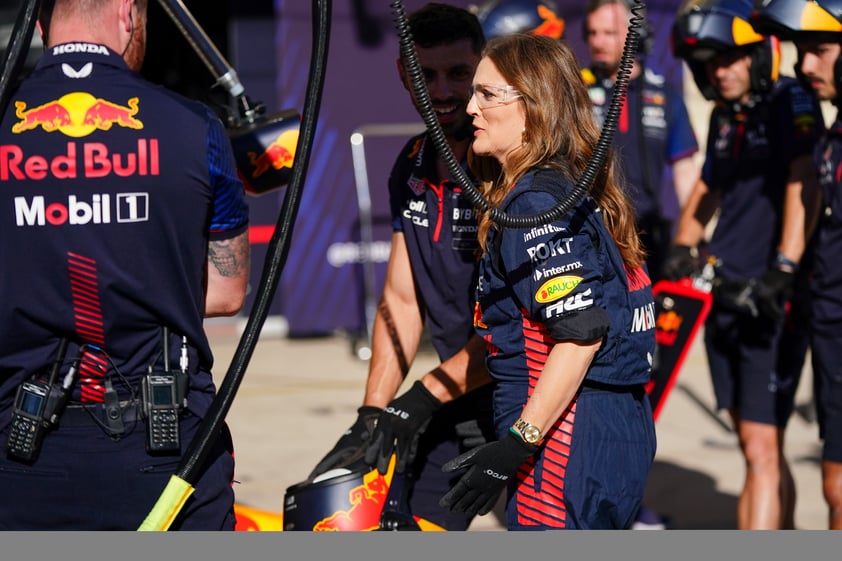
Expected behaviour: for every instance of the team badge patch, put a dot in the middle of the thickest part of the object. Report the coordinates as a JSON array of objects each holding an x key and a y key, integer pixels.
[{"x": 556, "y": 287}]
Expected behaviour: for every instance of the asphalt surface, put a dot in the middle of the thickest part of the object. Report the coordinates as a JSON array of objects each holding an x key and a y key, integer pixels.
[{"x": 299, "y": 395}]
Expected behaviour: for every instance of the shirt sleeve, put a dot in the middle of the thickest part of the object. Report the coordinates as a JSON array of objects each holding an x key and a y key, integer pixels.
[
  {"x": 681, "y": 141},
  {"x": 230, "y": 209},
  {"x": 398, "y": 178},
  {"x": 555, "y": 270},
  {"x": 395, "y": 192}
]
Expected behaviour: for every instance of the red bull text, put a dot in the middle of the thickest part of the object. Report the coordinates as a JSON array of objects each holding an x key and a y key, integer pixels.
[{"x": 87, "y": 159}]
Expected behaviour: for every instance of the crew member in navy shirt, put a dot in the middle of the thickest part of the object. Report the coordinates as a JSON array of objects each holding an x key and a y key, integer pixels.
[
  {"x": 758, "y": 173},
  {"x": 814, "y": 27},
  {"x": 429, "y": 285},
  {"x": 124, "y": 226}
]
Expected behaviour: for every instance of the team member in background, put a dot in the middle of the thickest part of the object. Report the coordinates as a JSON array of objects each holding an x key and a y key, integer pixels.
[
  {"x": 759, "y": 175},
  {"x": 654, "y": 137},
  {"x": 125, "y": 224},
  {"x": 816, "y": 28},
  {"x": 565, "y": 308},
  {"x": 430, "y": 280}
]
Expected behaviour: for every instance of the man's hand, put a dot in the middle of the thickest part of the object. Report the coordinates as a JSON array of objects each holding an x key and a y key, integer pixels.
[
  {"x": 680, "y": 262},
  {"x": 399, "y": 427},
  {"x": 772, "y": 292},
  {"x": 490, "y": 468},
  {"x": 351, "y": 446}
]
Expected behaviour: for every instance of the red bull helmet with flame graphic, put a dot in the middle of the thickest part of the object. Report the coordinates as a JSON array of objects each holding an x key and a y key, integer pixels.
[
  {"x": 343, "y": 500},
  {"x": 503, "y": 17}
]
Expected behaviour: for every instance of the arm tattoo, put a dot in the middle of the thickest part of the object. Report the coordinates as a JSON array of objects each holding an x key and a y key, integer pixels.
[
  {"x": 386, "y": 314},
  {"x": 230, "y": 257}
]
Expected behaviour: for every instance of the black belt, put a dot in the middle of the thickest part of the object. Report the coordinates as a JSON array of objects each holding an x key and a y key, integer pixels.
[
  {"x": 85, "y": 414},
  {"x": 637, "y": 390}
]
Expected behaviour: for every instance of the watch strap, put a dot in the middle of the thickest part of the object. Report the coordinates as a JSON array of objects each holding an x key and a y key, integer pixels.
[{"x": 520, "y": 427}]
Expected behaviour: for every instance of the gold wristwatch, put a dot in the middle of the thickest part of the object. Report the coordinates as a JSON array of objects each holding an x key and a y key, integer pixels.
[{"x": 528, "y": 432}]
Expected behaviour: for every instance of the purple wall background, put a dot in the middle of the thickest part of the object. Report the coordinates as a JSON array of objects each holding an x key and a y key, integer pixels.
[{"x": 321, "y": 289}]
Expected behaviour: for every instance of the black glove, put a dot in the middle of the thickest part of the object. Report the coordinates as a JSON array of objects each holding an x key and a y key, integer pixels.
[
  {"x": 680, "y": 263},
  {"x": 736, "y": 295},
  {"x": 491, "y": 466},
  {"x": 772, "y": 291},
  {"x": 470, "y": 434},
  {"x": 351, "y": 446},
  {"x": 399, "y": 426}
]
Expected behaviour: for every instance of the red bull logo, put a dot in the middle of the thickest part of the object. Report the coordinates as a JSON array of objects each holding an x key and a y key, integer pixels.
[
  {"x": 655, "y": 98},
  {"x": 87, "y": 159},
  {"x": 416, "y": 148},
  {"x": 551, "y": 26},
  {"x": 76, "y": 114},
  {"x": 478, "y": 317},
  {"x": 265, "y": 151},
  {"x": 104, "y": 114},
  {"x": 366, "y": 506},
  {"x": 667, "y": 326},
  {"x": 50, "y": 117},
  {"x": 279, "y": 154},
  {"x": 249, "y": 519}
]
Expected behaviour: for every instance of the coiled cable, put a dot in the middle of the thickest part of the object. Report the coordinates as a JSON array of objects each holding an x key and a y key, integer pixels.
[{"x": 595, "y": 163}]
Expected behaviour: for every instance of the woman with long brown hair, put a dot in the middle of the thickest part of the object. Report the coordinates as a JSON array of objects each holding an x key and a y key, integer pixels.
[{"x": 566, "y": 308}]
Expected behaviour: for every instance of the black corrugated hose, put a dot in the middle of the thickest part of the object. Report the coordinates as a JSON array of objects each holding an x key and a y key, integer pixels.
[
  {"x": 18, "y": 47},
  {"x": 277, "y": 252}
]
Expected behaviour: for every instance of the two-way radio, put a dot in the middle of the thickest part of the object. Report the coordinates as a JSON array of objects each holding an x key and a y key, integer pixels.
[
  {"x": 37, "y": 408},
  {"x": 27, "y": 430},
  {"x": 162, "y": 396}
]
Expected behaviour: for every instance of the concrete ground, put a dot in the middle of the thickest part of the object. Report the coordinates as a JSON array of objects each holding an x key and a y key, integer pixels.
[{"x": 299, "y": 395}]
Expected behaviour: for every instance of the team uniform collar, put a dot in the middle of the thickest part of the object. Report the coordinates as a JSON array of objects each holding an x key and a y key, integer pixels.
[{"x": 80, "y": 52}]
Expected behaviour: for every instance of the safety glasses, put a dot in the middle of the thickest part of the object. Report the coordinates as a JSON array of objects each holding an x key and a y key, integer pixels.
[{"x": 492, "y": 95}]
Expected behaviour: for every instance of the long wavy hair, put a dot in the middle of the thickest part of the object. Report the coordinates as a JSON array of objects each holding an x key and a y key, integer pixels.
[{"x": 560, "y": 133}]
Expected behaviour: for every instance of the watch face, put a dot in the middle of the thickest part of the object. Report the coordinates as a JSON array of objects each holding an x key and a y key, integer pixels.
[{"x": 532, "y": 434}]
